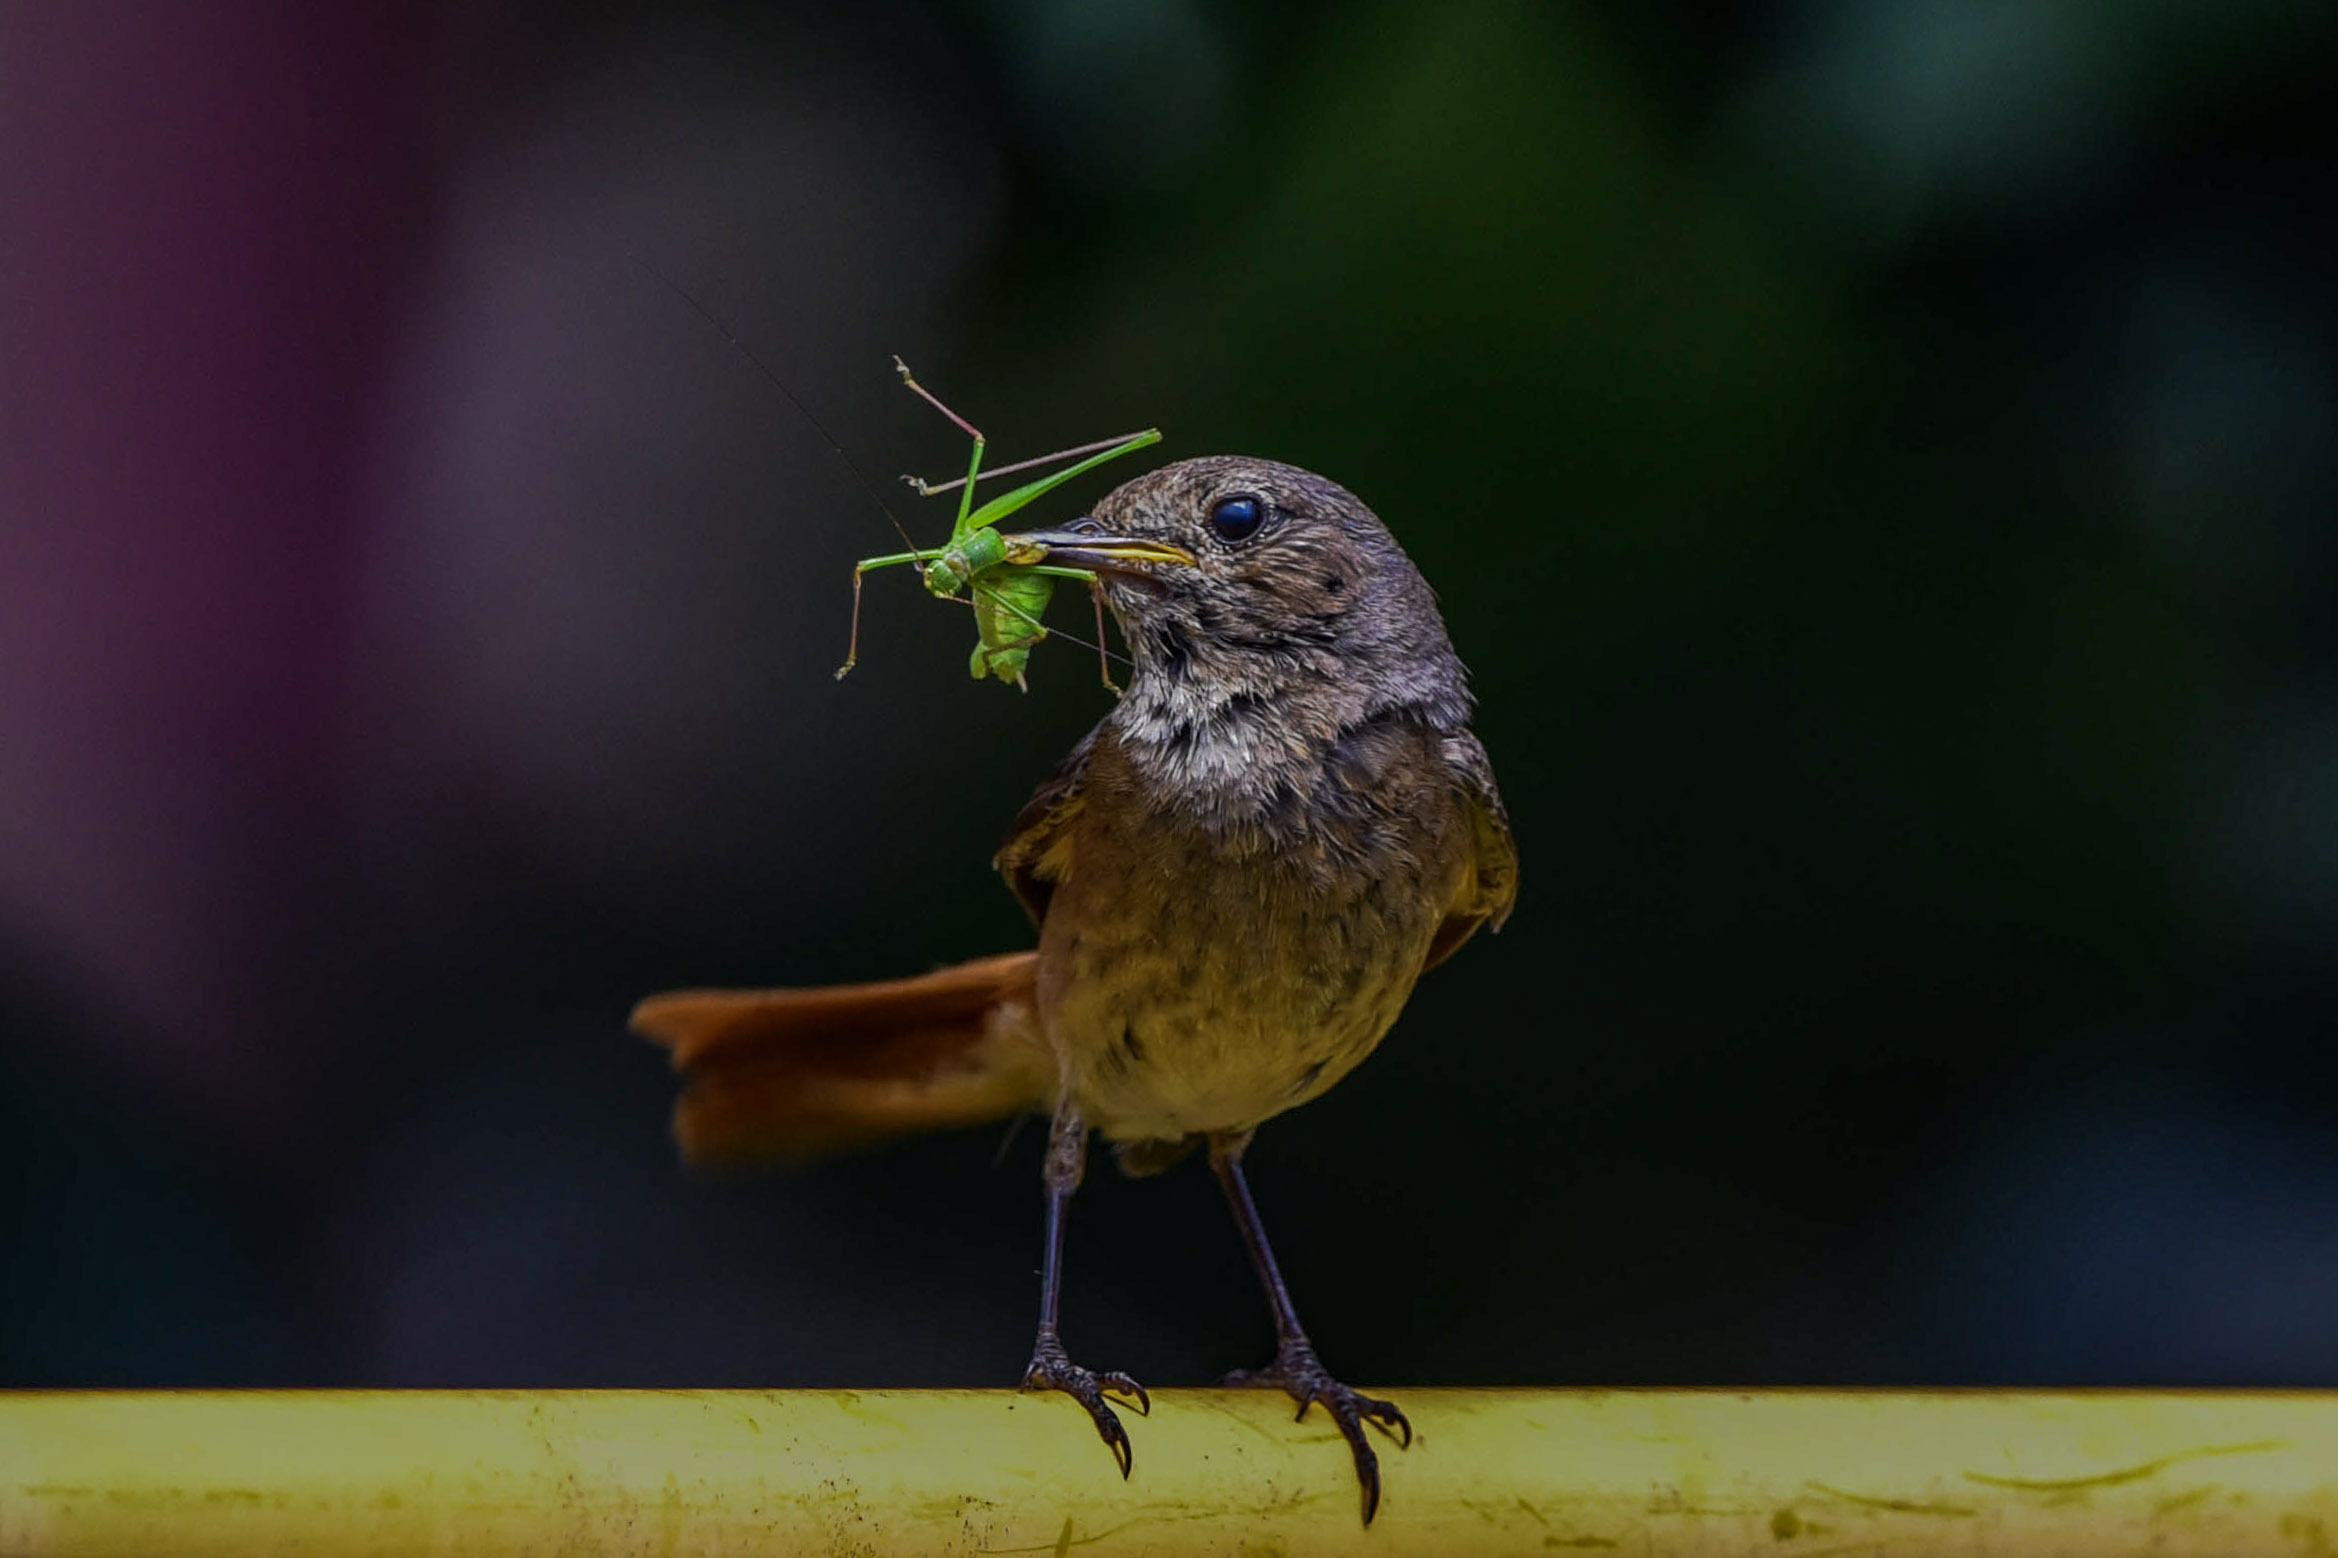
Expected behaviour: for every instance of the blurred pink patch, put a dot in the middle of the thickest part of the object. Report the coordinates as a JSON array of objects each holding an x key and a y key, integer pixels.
[{"x": 211, "y": 209}]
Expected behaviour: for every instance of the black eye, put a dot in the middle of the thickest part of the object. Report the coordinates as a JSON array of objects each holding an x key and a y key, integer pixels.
[{"x": 1234, "y": 519}]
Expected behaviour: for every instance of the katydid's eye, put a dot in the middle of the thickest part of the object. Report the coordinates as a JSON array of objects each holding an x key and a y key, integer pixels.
[{"x": 1234, "y": 519}]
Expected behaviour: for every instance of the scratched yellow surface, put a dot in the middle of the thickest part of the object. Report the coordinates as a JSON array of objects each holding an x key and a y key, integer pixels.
[{"x": 1793, "y": 1474}]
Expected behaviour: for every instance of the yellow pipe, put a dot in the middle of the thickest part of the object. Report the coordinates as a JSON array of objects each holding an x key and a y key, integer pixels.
[{"x": 1787, "y": 1473}]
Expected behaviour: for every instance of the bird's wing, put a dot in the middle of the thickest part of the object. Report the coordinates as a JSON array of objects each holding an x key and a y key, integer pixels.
[
  {"x": 1035, "y": 854},
  {"x": 1489, "y": 888}
]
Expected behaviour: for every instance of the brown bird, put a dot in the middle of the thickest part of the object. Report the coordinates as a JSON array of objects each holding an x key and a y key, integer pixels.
[{"x": 1237, "y": 877}]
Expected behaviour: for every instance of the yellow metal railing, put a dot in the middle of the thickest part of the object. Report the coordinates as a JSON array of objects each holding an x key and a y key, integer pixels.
[{"x": 1785, "y": 1473}]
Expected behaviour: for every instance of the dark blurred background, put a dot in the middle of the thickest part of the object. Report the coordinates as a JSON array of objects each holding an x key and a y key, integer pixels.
[{"x": 1877, "y": 456}]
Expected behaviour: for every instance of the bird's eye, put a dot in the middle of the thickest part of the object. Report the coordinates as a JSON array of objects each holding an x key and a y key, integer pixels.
[{"x": 1235, "y": 519}]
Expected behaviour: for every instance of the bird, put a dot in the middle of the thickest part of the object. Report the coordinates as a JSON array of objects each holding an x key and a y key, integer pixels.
[{"x": 1236, "y": 878}]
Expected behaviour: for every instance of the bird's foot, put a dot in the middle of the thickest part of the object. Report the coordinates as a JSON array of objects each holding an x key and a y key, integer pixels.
[
  {"x": 1052, "y": 1369},
  {"x": 1297, "y": 1370}
]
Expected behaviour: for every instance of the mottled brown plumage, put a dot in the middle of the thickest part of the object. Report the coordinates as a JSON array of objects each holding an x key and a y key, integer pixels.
[{"x": 1237, "y": 877}]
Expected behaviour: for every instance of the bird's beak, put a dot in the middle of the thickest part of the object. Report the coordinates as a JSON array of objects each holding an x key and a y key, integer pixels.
[{"x": 1096, "y": 551}]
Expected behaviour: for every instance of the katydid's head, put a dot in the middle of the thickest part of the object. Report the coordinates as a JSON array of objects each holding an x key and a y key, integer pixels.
[
  {"x": 1293, "y": 584},
  {"x": 947, "y": 574}
]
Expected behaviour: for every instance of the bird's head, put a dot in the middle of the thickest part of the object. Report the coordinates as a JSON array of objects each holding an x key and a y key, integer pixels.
[{"x": 1244, "y": 578}]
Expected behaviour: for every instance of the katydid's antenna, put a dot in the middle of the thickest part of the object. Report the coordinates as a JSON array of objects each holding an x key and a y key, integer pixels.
[{"x": 780, "y": 385}]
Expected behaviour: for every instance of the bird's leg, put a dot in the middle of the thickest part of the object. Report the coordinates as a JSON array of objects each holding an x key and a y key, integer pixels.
[
  {"x": 1296, "y": 1368},
  {"x": 1051, "y": 1368}
]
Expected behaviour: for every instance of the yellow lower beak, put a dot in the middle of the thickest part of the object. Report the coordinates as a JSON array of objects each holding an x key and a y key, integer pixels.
[{"x": 1097, "y": 551}]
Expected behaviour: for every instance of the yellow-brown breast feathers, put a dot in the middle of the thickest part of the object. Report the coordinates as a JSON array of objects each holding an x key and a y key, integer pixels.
[{"x": 788, "y": 1073}]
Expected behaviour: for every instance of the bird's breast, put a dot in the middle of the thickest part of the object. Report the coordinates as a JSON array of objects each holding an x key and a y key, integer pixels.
[{"x": 1197, "y": 977}]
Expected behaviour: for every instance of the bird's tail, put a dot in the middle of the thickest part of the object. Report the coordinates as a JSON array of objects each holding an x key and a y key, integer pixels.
[{"x": 788, "y": 1073}]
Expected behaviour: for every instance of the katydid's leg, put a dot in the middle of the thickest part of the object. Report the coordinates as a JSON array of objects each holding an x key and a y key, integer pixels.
[
  {"x": 958, "y": 526},
  {"x": 1051, "y": 1368},
  {"x": 1296, "y": 1368},
  {"x": 926, "y": 489},
  {"x": 1103, "y": 661},
  {"x": 926, "y": 395},
  {"x": 973, "y": 465},
  {"x": 852, "y": 645}
]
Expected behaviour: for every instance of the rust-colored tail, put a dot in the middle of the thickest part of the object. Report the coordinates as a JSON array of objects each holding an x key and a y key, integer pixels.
[{"x": 787, "y": 1073}]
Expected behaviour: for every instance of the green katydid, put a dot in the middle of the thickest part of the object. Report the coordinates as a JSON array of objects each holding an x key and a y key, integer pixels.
[{"x": 1007, "y": 579}]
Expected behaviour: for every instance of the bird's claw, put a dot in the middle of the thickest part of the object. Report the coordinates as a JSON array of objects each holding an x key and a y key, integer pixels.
[
  {"x": 1052, "y": 1369},
  {"x": 1300, "y": 1373}
]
